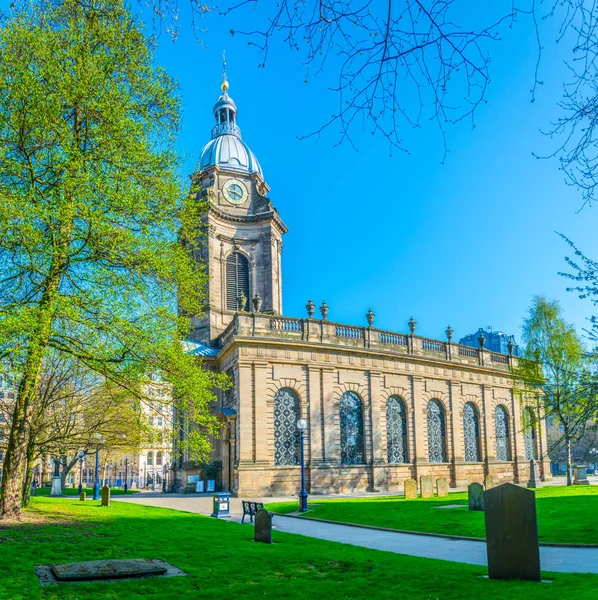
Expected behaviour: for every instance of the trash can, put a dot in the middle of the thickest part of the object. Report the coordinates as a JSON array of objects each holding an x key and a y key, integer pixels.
[{"x": 221, "y": 505}]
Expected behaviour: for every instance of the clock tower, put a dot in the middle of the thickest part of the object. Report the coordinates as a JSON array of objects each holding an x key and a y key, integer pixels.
[{"x": 243, "y": 243}]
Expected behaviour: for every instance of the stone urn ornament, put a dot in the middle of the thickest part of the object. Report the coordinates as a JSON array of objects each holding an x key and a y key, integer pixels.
[
  {"x": 310, "y": 307},
  {"x": 241, "y": 301},
  {"x": 370, "y": 316},
  {"x": 449, "y": 333},
  {"x": 510, "y": 347},
  {"x": 324, "y": 310},
  {"x": 482, "y": 340},
  {"x": 257, "y": 303},
  {"x": 412, "y": 325}
]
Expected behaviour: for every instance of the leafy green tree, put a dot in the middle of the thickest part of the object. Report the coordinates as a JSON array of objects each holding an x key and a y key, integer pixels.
[
  {"x": 560, "y": 371},
  {"x": 91, "y": 209}
]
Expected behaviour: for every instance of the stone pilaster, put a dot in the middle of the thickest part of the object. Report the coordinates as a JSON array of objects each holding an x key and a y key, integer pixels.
[
  {"x": 315, "y": 414},
  {"x": 260, "y": 423},
  {"x": 330, "y": 450},
  {"x": 420, "y": 457}
]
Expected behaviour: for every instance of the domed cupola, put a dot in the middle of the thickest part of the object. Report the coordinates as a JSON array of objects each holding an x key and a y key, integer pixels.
[{"x": 227, "y": 150}]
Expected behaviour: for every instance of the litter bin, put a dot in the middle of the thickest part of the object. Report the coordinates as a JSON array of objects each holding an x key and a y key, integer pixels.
[{"x": 221, "y": 505}]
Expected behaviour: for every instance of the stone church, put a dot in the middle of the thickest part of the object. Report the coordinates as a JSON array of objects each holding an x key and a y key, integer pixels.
[{"x": 380, "y": 406}]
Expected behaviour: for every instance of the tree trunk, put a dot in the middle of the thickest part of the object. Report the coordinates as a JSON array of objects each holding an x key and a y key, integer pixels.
[
  {"x": 15, "y": 460},
  {"x": 26, "y": 493},
  {"x": 67, "y": 467},
  {"x": 569, "y": 461},
  {"x": 13, "y": 473}
]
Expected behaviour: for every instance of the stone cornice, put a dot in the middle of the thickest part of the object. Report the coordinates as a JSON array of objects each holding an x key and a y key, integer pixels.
[
  {"x": 322, "y": 347},
  {"x": 270, "y": 216}
]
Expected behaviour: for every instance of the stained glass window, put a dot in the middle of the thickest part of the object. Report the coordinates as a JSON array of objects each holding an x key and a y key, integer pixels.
[
  {"x": 436, "y": 432},
  {"x": 286, "y": 435},
  {"x": 529, "y": 434},
  {"x": 396, "y": 431},
  {"x": 471, "y": 433},
  {"x": 501, "y": 429},
  {"x": 351, "y": 416}
]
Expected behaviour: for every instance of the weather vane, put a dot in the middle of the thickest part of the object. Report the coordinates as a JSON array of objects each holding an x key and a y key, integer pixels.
[{"x": 224, "y": 80}]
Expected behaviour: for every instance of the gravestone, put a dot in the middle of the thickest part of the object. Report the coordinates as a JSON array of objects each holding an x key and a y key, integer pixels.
[
  {"x": 442, "y": 487},
  {"x": 82, "y": 496},
  {"x": 475, "y": 495},
  {"x": 489, "y": 482},
  {"x": 263, "y": 526},
  {"x": 56, "y": 486},
  {"x": 512, "y": 533},
  {"x": 105, "y": 496},
  {"x": 410, "y": 489},
  {"x": 426, "y": 486},
  {"x": 534, "y": 476},
  {"x": 581, "y": 476}
]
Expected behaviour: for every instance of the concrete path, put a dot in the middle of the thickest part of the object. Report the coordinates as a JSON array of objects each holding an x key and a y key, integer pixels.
[{"x": 553, "y": 558}]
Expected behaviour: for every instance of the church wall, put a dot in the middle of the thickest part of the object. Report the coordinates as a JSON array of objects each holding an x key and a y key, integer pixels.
[{"x": 319, "y": 376}]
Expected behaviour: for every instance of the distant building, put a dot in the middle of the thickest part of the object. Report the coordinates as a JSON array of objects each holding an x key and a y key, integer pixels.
[{"x": 496, "y": 341}]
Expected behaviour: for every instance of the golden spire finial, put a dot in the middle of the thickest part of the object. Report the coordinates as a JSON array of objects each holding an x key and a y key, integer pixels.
[{"x": 224, "y": 85}]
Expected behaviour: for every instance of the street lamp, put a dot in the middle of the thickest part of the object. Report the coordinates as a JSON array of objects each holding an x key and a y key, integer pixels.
[
  {"x": 301, "y": 425},
  {"x": 81, "y": 455},
  {"x": 96, "y": 484},
  {"x": 126, "y": 486},
  {"x": 164, "y": 487}
]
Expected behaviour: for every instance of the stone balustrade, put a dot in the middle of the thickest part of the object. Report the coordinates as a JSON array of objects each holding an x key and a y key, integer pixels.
[{"x": 327, "y": 332}]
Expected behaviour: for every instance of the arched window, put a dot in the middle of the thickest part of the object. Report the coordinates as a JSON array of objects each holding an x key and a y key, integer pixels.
[
  {"x": 159, "y": 458},
  {"x": 150, "y": 458},
  {"x": 396, "y": 431},
  {"x": 351, "y": 416},
  {"x": 436, "y": 432},
  {"x": 471, "y": 433},
  {"x": 501, "y": 430},
  {"x": 286, "y": 435},
  {"x": 529, "y": 434},
  {"x": 237, "y": 280}
]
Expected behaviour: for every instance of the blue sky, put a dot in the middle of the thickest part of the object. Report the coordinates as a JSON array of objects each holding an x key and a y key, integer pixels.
[{"x": 465, "y": 243}]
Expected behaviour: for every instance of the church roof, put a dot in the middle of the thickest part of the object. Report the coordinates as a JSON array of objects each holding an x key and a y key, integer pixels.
[
  {"x": 226, "y": 149},
  {"x": 229, "y": 151}
]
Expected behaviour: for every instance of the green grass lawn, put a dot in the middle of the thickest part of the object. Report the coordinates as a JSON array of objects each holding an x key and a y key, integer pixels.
[
  {"x": 45, "y": 491},
  {"x": 567, "y": 515},
  {"x": 224, "y": 562}
]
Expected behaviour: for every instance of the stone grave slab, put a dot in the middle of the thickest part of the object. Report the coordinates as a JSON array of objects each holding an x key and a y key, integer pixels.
[
  {"x": 475, "y": 496},
  {"x": 410, "y": 489},
  {"x": 263, "y": 526},
  {"x": 426, "y": 486},
  {"x": 450, "y": 506},
  {"x": 105, "y": 571},
  {"x": 581, "y": 476},
  {"x": 82, "y": 496},
  {"x": 105, "y": 496},
  {"x": 489, "y": 482},
  {"x": 442, "y": 487},
  {"x": 512, "y": 533},
  {"x": 534, "y": 476}
]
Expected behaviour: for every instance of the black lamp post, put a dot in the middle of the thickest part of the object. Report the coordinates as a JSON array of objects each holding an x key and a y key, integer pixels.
[
  {"x": 126, "y": 486},
  {"x": 164, "y": 487},
  {"x": 301, "y": 425},
  {"x": 96, "y": 484},
  {"x": 81, "y": 455}
]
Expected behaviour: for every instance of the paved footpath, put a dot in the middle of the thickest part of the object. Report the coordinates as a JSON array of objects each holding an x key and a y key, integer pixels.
[{"x": 553, "y": 558}]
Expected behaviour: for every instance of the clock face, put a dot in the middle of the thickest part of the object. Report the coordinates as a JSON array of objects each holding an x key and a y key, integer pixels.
[{"x": 235, "y": 191}]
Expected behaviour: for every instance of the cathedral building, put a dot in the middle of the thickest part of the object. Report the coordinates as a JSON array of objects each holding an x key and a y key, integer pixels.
[{"x": 381, "y": 407}]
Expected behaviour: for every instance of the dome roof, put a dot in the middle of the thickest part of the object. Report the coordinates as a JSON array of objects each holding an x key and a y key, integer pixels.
[{"x": 229, "y": 151}]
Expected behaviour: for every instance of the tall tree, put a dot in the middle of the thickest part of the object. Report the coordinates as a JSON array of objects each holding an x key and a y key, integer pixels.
[
  {"x": 558, "y": 368},
  {"x": 91, "y": 207}
]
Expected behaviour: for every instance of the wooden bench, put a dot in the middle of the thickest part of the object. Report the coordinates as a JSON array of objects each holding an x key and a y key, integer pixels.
[{"x": 250, "y": 509}]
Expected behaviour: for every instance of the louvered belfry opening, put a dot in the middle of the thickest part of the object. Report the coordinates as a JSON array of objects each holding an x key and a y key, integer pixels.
[{"x": 237, "y": 280}]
